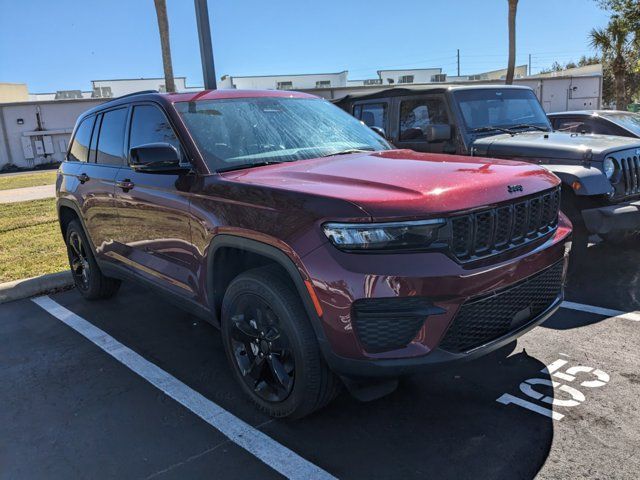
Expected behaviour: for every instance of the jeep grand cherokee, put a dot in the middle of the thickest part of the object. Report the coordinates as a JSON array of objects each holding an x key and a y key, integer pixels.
[{"x": 324, "y": 256}]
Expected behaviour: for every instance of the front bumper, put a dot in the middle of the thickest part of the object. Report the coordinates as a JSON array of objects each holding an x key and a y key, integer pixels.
[
  {"x": 613, "y": 218},
  {"x": 341, "y": 281},
  {"x": 436, "y": 360}
]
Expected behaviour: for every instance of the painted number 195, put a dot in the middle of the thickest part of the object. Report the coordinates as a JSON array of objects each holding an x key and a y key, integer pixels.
[{"x": 572, "y": 396}]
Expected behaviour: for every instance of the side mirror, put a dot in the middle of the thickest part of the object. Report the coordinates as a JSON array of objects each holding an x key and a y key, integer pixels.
[
  {"x": 156, "y": 158},
  {"x": 379, "y": 131},
  {"x": 438, "y": 133}
]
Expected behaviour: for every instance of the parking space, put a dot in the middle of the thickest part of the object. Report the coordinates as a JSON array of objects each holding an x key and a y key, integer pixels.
[{"x": 561, "y": 401}]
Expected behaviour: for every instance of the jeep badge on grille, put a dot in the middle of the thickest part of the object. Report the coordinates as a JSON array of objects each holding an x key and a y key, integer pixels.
[{"x": 514, "y": 188}]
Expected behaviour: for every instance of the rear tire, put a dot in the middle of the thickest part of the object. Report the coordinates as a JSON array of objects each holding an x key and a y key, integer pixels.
[
  {"x": 272, "y": 348},
  {"x": 87, "y": 276}
]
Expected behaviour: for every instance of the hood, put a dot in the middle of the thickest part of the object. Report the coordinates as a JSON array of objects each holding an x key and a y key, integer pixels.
[
  {"x": 559, "y": 145},
  {"x": 403, "y": 183}
]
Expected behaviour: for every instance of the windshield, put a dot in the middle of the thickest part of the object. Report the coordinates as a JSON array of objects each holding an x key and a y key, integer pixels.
[
  {"x": 234, "y": 133},
  {"x": 630, "y": 121},
  {"x": 505, "y": 108}
]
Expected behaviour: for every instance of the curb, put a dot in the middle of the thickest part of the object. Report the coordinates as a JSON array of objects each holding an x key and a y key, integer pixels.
[{"x": 28, "y": 287}]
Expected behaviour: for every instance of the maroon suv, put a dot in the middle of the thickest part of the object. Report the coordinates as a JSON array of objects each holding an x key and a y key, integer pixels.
[{"x": 325, "y": 256}]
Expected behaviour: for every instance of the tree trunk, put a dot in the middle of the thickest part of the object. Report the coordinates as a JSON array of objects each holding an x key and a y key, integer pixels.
[
  {"x": 163, "y": 27},
  {"x": 511, "y": 65},
  {"x": 621, "y": 94}
]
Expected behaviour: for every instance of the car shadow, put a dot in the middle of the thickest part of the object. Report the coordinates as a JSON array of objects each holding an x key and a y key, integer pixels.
[
  {"x": 446, "y": 424},
  {"x": 606, "y": 275}
]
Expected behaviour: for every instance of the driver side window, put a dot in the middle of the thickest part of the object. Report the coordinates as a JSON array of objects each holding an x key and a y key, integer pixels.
[{"x": 150, "y": 125}]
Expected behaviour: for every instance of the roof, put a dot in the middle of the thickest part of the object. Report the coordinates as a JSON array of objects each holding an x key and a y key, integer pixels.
[
  {"x": 233, "y": 93},
  {"x": 591, "y": 112},
  {"x": 441, "y": 88}
]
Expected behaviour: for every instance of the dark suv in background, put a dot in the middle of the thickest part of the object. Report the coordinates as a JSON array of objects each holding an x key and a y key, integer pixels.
[
  {"x": 600, "y": 174},
  {"x": 324, "y": 256}
]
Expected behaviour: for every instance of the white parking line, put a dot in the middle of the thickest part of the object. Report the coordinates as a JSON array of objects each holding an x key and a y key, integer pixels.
[
  {"x": 275, "y": 455},
  {"x": 607, "y": 312}
]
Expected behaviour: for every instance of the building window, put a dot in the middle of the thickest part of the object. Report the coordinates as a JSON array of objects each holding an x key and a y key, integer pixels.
[
  {"x": 373, "y": 81},
  {"x": 162, "y": 88},
  {"x": 285, "y": 86},
  {"x": 323, "y": 84},
  {"x": 439, "y": 78},
  {"x": 406, "y": 79}
]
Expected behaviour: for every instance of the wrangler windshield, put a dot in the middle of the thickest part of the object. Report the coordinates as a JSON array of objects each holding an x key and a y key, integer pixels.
[
  {"x": 501, "y": 108},
  {"x": 236, "y": 133},
  {"x": 630, "y": 121}
]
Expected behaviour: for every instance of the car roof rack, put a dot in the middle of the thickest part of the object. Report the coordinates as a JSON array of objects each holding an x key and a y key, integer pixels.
[{"x": 135, "y": 93}]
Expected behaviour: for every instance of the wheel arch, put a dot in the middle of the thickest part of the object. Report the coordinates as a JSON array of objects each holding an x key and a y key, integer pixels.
[{"x": 259, "y": 254}]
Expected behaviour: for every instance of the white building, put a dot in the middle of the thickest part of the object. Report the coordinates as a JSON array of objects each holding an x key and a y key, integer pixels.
[
  {"x": 35, "y": 133},
  {"x": 285, "y": 82}
]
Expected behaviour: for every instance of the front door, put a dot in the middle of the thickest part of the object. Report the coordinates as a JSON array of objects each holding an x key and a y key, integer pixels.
[
  {"x": 154, "y": 239},
  {"x": 415, "y": 114}
]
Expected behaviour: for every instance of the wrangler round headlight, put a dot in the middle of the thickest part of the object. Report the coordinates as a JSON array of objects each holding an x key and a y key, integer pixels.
[
  {"x": 609, "y": 167},
  {"x": 377, "y": 236}
]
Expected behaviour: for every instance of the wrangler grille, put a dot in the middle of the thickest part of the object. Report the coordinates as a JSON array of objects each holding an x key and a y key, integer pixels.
[
  {"x": 485, "y": 319},
  {"x": 630, "y": 174},
  {"x": 493, "y": 231}
]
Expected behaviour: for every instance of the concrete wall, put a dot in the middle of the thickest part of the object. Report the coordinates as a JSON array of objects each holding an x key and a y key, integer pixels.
[
  {"x": 419, "y": 75},
  {"x": 13, "y": 92},
  {"x": 19, "y": 135},
  {"x": 121, "y": 87}
]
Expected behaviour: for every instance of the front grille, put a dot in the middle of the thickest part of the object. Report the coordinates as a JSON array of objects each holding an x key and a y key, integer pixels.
[
  {"x": 485, "y": 319},
  {"x": 630, "y": 174},
  {"x": 384, "y": 324},
  {"x": 487, "y": 232}
]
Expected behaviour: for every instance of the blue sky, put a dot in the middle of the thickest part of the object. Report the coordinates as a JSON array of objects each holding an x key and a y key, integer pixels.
[{"x": 63, "y": 44}]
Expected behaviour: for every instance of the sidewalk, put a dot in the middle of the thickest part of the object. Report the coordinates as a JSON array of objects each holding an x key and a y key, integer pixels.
[{"x": 28, "y": 193}]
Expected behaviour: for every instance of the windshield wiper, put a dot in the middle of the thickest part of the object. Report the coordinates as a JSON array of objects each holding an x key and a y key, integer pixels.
[
  {"x": 350, "y": 150},
  {"x": 491, "y": 129},
  {"x": 245, "y": 165},
  {"x": 529, "y": 125}
]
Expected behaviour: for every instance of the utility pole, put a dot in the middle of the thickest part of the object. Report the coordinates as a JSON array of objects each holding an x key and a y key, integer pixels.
[
  {"x": 458, "y": 62},
  {"x": 206, "y": 49},
  {"x": 529, "y": 74}
]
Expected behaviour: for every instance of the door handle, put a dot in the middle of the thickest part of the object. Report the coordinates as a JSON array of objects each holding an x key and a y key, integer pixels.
[
  {"x": 125, "y": 185},
  {"x": 83, "y": 177}
]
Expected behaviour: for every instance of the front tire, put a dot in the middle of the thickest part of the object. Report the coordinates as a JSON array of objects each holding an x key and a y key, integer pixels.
[
  {"x": 87, "y": 276},
  {"x": 272, "y": 348}
]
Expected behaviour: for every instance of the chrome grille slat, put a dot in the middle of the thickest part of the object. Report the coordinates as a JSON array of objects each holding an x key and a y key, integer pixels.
[{"x": 481, "y": 234}]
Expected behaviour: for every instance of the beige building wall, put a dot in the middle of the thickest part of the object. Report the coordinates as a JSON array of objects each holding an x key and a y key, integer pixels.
[{"x": 13, "y": 92}]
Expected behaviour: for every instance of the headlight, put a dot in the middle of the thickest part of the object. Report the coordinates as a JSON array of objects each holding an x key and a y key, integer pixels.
[
  {"x": 609, "y": 167},
  {"x": 377, "y": 236}
]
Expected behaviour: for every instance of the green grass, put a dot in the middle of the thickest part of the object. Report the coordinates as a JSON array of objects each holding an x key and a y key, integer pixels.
[
  {"x": 30, "y": 240},
  {"x": 46, "y": 177}
]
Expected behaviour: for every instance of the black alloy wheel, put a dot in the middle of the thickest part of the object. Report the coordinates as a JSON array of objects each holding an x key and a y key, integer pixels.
[
  {"x": 79, "y": 261},
  {"x": 261, "y": 349}
]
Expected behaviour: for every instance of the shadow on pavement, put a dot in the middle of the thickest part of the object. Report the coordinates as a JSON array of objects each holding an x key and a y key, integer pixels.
[
  {"x": 443, "y": 425},
  {"x": 607, "y": 275}
]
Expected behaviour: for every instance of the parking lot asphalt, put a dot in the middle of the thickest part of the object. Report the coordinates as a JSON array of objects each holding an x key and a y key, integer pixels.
[{"x": 76, "y": 407}]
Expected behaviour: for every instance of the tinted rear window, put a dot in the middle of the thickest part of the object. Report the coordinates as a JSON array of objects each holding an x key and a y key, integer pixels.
[
  {"x": 111, "y": 141},
  {"x": 80, "y": 146}
]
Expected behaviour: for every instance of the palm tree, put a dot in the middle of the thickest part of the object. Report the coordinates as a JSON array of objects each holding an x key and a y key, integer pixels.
[
  {"x": 511, "y": 65},
  {"x": 615, "y": 42},
  {"x": 163, "y": 27}
]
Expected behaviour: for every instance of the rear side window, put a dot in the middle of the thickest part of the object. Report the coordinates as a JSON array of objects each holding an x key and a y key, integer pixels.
[
  {"x": 111, "y": 140},
  {"x": 372, "y": 114},
  {"x": 80, "y": 145},
  {"x": 417, "y": 115},
  {"x": 150, "y": 125}
]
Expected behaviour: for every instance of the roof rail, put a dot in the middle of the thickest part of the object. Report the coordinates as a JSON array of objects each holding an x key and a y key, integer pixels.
[{"x": 134, "y": 93}]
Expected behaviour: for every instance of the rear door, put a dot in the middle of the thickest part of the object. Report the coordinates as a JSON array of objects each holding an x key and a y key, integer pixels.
[
  {"x": 373, "y": 113},
  {"x": 154, "y": 239},
  {"x": 94, "y": 173}
]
